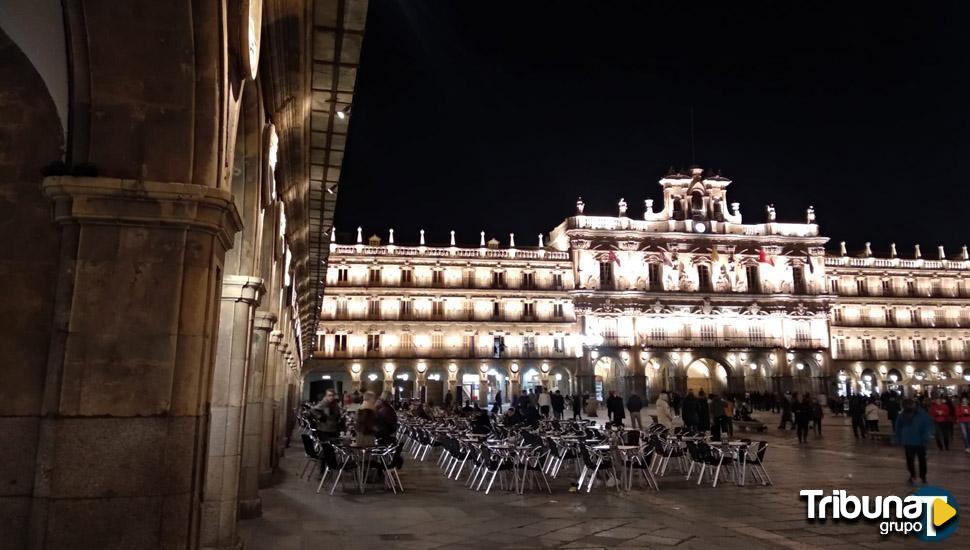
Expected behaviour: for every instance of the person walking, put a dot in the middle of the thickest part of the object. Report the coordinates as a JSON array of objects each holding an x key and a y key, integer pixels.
[
  {"x": 328, "y": 416},
  {"x": 892, "y": 409},
  {"x": 614, "y": 409},
  {"x": 497, "y": 404},
  {"x": 817, "y": 413},
  {"x": 784, "y": 405},
  {"x": 716, "y": 413},
  {"x": 872, "y": 416},
  {"x": 577, "y": 407},
  {"x": 634, "y": 404},
  {"x": 913, "y": 429},
  {"x": 689, "y": 411},
  {"x": 803, "y": 412},
  {"x": 665, "y": 413},
  {"x": 857, "y": 410},
  {"x": 703, "y": 412},
  {"x": 940, "y": 413},
  {"x": 963, "y": 420},
  {"x": 544, "y": 401},
  {"x": 558, "y": 405}
]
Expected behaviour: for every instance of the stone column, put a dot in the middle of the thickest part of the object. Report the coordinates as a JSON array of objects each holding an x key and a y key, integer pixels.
[
  {"x": 249, "y": 502},
  {"x": 270, "y": 405},
  {"x": 124, "y": 433},
  {"x": 636, "y": 382},
  {"x": 282, "y": 385},
  {"x": 240, "y": 294}
]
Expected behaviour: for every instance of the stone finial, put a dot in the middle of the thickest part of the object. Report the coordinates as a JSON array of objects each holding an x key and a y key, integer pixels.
[
  {"x": 622, "y": 207},
  {"x": 421, "y": 242},
  {"x": 360, "y": 234},
  {"x": 868, "y": 250},
  {"x": 511, "y": 240},
  {"x": 648, "y": 206},
  {"x": 916, "y": 253},
  {"x": 452, "y": 237},
  {"x": 580, "y": 205},
  {"x": 540, "y": 241},
  {"x": 770, "y": 211},
  {"x": 842, "y": 248},
  {"x": 390, "y": 236},
  {"x": 940, "y": 253},
  {"x": 736, "y": 208},
  {"x": 963, "y": 253},
  {"x": 810, "y": 214},
  {"x": 481, "y": 243},
  {"x": 892, "y": 250},
  {"x": 333, "y": 234}
]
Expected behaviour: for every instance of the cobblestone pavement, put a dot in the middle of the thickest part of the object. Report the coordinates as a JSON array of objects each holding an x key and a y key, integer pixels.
[{"x": 437, "y": 513}]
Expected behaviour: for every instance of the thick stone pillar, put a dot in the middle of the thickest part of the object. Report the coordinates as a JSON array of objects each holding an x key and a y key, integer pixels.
[
  {"x": 586, "y": 385},
  {"x": 270, "y": 405},
  {"x": 636, "y": 382},
  {"x": 240, "y": 294},
  {"x": 282, "y": 386},
  {"x": 123, "y": 439},
  {"x": 249, "y": 502}
]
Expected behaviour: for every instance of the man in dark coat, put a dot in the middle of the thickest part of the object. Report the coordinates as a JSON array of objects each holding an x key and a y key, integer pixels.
[
  {"x": 615, "y": 409},
  {"x": 558, "y": 404},
  {"x": 690, "y": 414},
  {"x": 577, "y": 406}
]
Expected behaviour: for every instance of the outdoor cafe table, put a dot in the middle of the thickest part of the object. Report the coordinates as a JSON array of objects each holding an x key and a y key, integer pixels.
[
  {"x": 622, "y": 454},
  {"x": 362, "y": 456}
]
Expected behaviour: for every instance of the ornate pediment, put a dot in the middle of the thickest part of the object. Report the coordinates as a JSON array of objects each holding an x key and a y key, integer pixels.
[
  {"x": 754, "y": 309},
  {"x": 628, "y": 245},
  {"x": 580, "y": 244}
]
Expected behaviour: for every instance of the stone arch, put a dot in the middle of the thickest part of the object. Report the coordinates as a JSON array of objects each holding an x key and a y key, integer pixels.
[
  {"x": 609, "y": 374},
  {"x": 31, "y": 137},
  {"x": 565, "y": 382},
  {"x": 709, "y": 372}
]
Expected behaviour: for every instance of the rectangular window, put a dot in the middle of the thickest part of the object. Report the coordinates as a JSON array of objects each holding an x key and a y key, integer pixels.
[
  {"x": 658, "y": 335},
  {"x": 867, "y": 348},
  {"x": 798, "y": 279},
  {"x": 889, "y": 315},
  {"x": 656, "y": 277},
  {"x": 893, "y": 348},
  {"x": 437, "y": 341},
  {"x": 407, "y": 277},
  {"x": 834, "y": 286},
  {"x": 754, "y": 281},
  {"x": 498, "y": 346},
  {"x": 528, "y": 280},
  {"x": 342, "y": 275},
  {"x": 840, "y": 348},
  {"x": 496, "y": 309},
  {"x": 437, "y": 309},
  {"x": 802, "y": 335},
  {"x": 557, "y": 281},
  {"x": 374, "y": 307},
  {"x": 708, "y": 333},
  {"x": 559, "y": 344},
  {"x": 756, "y": 334},
  {"x": 606, "y": 275},
  {"x": 887, "y": 287},
  {"x": 837, "y": 312},
  {"x": 966, "y": 349},
  {"x": 373, "y": 342},
  {"x": 407, "y": 309},
  {"x": 914, "y": 317},
  {"x": 704, "y": 278},
  {"x": 469, "y": 341},
  {"x": 529, "y": 344},
  {"x": 438, "y": 277},
  {"x": 341, "y": 307},
  {"x": 861, "y": 288},
  {"x": 498, "y": 279},
  {"x": 406, "y": 343},
  {"x": 340, "y": 342},
  {"x": 528, "y": 310},
  {"x": 374, "y": 276},
  {"x": 911, "y": 288},
  {"x": 917, "y": 348},
  {"x": 557, "y": 311}
]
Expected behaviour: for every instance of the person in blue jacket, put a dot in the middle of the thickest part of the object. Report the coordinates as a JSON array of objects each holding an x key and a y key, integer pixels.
[{"x": 914, "y": 428}]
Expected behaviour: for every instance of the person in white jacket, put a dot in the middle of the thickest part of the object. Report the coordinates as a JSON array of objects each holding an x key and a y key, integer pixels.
[
  {"x": 872, "y": 416},
  {"x": 665, "y": 415}
]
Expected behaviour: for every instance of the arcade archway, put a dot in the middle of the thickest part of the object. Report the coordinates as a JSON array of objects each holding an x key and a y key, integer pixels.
[{"x": 707, "y": 375}]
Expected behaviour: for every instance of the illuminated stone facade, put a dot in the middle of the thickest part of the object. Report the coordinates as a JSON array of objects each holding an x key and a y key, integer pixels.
[{"x": 685, "y": 297}]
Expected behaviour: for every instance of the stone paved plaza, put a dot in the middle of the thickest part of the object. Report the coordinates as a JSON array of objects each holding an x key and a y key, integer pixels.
[{"x": 436, "y": 513}]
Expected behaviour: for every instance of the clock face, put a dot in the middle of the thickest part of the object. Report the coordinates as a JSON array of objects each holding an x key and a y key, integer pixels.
[{"x": 699, "y": 227}]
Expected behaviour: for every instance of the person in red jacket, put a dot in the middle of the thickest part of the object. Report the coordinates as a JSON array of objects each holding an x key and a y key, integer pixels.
[
  {"x": 963, "y": 420},
  {"x": 940, "y": 413}
]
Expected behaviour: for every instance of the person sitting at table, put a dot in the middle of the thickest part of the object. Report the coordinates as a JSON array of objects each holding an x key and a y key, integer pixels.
[
  {"x": 512, "y": 417},
  {"x": 367, "y": 420},
  {"x": 386, "y": 418},
  {"x": 420, "y": 412},
  {"x": 480, "y": 423},
  {"x": 531, "y": 417}
]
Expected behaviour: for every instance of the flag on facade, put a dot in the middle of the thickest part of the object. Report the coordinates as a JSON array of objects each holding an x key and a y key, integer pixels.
[
  {"x": 613, "y": 258},
  {"x": 811, "y": 266},
  {"x": 666, "y": 258},
  {"x": 764, "y": 258}
]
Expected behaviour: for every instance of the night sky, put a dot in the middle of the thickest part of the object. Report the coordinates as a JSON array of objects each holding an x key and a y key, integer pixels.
[{"x": 496, "y": 116}]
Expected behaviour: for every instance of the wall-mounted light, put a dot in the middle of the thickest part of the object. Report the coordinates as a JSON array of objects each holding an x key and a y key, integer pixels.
[
  {"x": 545, "y": 367},
  {"x": 404, "y": 376},
  {"x": 372, "y": 377},
  {"x": 558, "y": 377},
  {"x": 452, "y": 368},
  {"x": 754, "y": 366},
  {"x": 800, "y": 366},
  {"x": 344, "y": 113},
  {"x": 483, "y": 368},
  {"x": 422, "y": 366},
  {"x": 325, "y": 377},
  {"x": 893, "y": 378},
  {"x": 514, "y": 367},
  {"x": 355, "y": 368},
  {"x": 389, "y": 368},
  {"x": 867, "y": 378}
]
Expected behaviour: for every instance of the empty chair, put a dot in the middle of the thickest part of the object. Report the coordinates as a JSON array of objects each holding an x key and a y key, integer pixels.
[
  {"x": 334, "y": 461},
  {"x": 594, "y": 463},
  {"x": 310, "y": 452}
]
